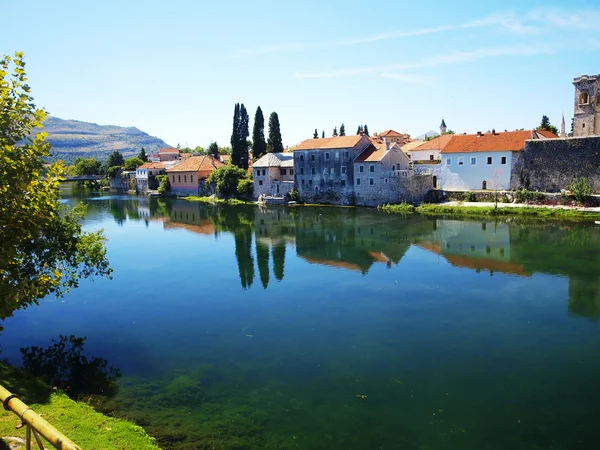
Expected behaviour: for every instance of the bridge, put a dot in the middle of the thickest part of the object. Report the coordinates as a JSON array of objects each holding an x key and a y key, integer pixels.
[{"x": 82, "y": 178}]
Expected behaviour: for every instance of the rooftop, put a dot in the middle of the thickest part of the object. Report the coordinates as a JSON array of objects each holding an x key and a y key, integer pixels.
[
  {"x": 152, "y": 165},
  {"x": 196, "y": 163},
  {"x": 374, "y": 152},
  {"x": 275, "y": 160},
  {"x": 169, "y": 150},
  {"x": 330, "y": 143},
  {"x": 493, "y": 142},
  {"x": 438, "y": 143}
]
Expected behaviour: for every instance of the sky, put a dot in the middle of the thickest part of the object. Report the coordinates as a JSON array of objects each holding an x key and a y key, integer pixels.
[{"x": 175, "y": 69}]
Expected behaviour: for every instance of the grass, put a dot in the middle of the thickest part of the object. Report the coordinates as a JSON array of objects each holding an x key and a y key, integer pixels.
[
  {"x": 402, "y": 208},
  {"x": 490, "y": 211},
  {"x": 76, "y": 420},
  {"x": 231, "y": 201}
]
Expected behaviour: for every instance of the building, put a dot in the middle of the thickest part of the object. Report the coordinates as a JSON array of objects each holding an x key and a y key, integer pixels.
[
  {"x": 145, "y": 176},
  {"x": 168, "y": 154},
  {"x": 189, "y": 176},
  {"x": 273, "y": 174},
  {"x": 324, "y": 168},
  {"x": 482, "y": 160},
  {"x": 586, "y": 120},
  {"x": 429, "y": 151},
  {"x": 392, "y": 137}
]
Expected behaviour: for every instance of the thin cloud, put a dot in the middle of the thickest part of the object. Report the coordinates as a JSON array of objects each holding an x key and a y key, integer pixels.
[
  {"x": 434, "y": 61},
  {"x": 576, "y": 20}
]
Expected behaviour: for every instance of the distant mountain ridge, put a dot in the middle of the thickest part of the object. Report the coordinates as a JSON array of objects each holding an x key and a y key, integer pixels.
[
  {"x": 429, "y": 133},
  {"x": 72, "y": 138}
]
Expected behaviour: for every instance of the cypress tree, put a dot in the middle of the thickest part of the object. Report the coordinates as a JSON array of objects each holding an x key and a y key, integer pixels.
[
  {"x": 259, "y": 146},
  {"x": 235, "y": 150},
  {"x": 239, "y": 136},
  {"x": 323, "y": 135},
  {"x": 142, "y": 155},
  {"x": 316, "y": 134},
  {"x": 342, "y": 130},
  {"x": 275, "y": 143},
  {"x": 278, "y": 252},
  {"x": 335, "y": 133},
  {"x": 359, "y": 130},
  {"x": 366, "y": 130}
]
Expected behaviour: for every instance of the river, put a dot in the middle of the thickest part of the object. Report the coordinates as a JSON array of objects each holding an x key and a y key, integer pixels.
[{"x": 241, "y": 327}]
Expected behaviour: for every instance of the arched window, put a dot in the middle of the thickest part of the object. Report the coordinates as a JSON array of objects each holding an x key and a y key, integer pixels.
[{"x": 584, "y": 98}]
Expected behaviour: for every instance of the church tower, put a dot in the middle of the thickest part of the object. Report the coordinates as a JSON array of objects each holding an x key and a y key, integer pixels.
[
  {"x": 562, "y": 127},
  {"x": 443, "y": 127},
  {"x": 586, "y": 121}
]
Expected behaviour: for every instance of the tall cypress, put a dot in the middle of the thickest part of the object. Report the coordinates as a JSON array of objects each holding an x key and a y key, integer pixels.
[
  {"x": 239, "y": 136},
  {"x": 342, "y": 130},
  {"x": 275, "y": 143},
  {"x": 359, "y": 130},
  {"x": 366, "y": 130},
  {"x": 335, "y": 133},
  {"x": 323, "y": 135},
  {"x": 316, "y": 134},
  {"x": 235, "y": 149},
  {"x": 278, "y": 252},
  {"x": 262, "y": 259},
  {"x": 259, "y": 145}
]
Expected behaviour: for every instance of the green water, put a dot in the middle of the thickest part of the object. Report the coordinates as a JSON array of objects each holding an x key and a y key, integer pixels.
[{"x": 335, "y": 328}]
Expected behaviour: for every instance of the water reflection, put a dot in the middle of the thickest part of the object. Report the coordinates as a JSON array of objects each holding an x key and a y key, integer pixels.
[{"x": 358, "y": 239}]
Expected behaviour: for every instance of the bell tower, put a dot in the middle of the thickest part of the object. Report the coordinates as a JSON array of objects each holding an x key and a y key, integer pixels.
[
  {"x": 586, "y": 120},
  {"x": 443, "y": 127}
]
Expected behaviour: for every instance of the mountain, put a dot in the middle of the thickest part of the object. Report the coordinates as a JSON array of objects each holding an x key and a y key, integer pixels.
[
  {"x": 429, "y": 133},
  {"x": 72, "y": 138}
]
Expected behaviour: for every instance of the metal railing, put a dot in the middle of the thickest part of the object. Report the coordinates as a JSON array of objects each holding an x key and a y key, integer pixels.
[{"x": 35, "y": 425}]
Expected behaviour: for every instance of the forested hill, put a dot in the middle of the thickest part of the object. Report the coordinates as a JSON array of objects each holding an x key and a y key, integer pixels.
[{"x": 72, "y": 138}]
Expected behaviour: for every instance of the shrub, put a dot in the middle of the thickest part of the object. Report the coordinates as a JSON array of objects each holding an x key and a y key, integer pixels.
[
  {"x": 524, "y": 196},
  {"x": 581, "y": 189},
  {"x": 294, "y": 195},
  {"x": 245, "y": 188},
  {"x": 164, "y": 185},
  {"x": 226, "y": 180},
  {"x": 469, "y": 197}
]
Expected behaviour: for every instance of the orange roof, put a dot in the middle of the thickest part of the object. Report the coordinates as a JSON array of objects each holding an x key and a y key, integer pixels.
[
  {"x": 152, "y": 165},
  {"x": 333, "y": 263},
  {"x": 329, "y": 143},
  {"x": 372, "y": 153},
  {"x": 168, "y": 150},
  {"x": 205, "y": 227},
  {"x": 438, "y": 143},
  {"x": 493, "y": 142},
  {"x": 391, "y": 133},
  {"x": 225, "y": 157},
  {"x": 379, "y": 257},
  {"x": 196, "y": 164},
  {"x": 185, "y": 155}
]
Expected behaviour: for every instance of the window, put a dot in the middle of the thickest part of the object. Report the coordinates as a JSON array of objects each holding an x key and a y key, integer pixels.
[
  {"x": 301, "y": 157},
  {"x": 316, "y": 189},
  {"x": 301, "y": 170},
  {"x": 173, "y": 180},
  {"x": 448, "y": 161},
  {"x": 386, "y": 180},
  {"x": 393, "y": 167},
  {"x": 185, "y": 178},
  {"x": 264, "y": 172},
  {"x": 260, "y": 182},
  {"x": 461, "y": 161},
  {"x": 430, "y": 157},
  {"x": 312, "y": 171},
  {"x": 312, "y": 157},
  {"x": 372, "y": 168},
  {"x": 343, "y": 182},
  {"x": 191, "y": 178},
  {"x": 346, "y": 154},
  {"x": 258, "y": 172},
  {"x": 489, "y": 160},
  {"x": 179, "y": 178},
  {"x": 291, "y": 171},
  {"x": 310, "y": 182},
  {"x": 584, "y": 98},
  {"x": 332, "y": 172},
  {"x": 371, "y": 181},
  {"x": 324, "y": 172},
  {"x": 473, "y": 160},
  {"x": 337, "y": 155},
  {"x": 302, "y": 182},
  {"x": 503, "y": 160},
  {"x": 326, "y": 155},
  {"x": 283, "y": 172},
  {"x": 361, "y": 169},
  {"x": 358, "y": 181},
  {"x": 343, "y": 170}
]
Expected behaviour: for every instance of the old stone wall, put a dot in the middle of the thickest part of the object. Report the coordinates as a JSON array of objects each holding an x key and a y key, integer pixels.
[
  {"x": 552, "y": 164},
  {"x": 396, "y": 189}
]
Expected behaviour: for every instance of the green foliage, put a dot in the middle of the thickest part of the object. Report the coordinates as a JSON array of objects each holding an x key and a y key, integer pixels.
[
  {"x": 43, "y": 249},
  {"x": 366, "y": 130},
  {"x": 342, "y": 130},
  {"x": 226, "y": 180},
  {"x": 581, "y": 189},
  {"x": 360, "y": 129},
  {"x": 526, "y": 196},
  {"x": 449, "y": 132},
  {"x": 114, "y": 159},
  {"x": 323, "y": 134},
  {"x": 403, "y": 208},
  {"x": 316, "y": 134},
  {"x": 259, "y": 145},
  {"x": 239, "y": 136},
  {"x": 274, "y": 143},
  {"x": 335, "y": 132},
  {"x": 113, "y": 171},
  {"x": 245, "y": 188},
  {"x": 294, "y": 195},
  {"x": 86, "y": 166},
  {"x": 469, "y": 196},
  {"x": 213, "y": 149},
  {"x": 164, "y": 183},
  {"x": 545, "y": 125},
  {"x": 142, "y": 155},
  {"x": 200, "y": 149},
  {"x": 133, "y": 163}
]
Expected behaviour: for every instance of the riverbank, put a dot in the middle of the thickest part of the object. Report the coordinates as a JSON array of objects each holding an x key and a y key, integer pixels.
[
  {"x": 215, "y": 200},
  {"x": 77, "y": 420},
  {"x": 489, "y": 209}
]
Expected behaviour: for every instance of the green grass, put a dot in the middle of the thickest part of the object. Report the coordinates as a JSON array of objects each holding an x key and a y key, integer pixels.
[
  {"x": 77, "y": 420},
  {"x": 403, "y": 208},
  {"x": 231, "y": 201},
  {"x": 490, "y": 211}
]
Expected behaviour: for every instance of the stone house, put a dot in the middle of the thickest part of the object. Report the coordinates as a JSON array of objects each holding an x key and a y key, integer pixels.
[
  {"x": 586, "y": 120},
  {"x": 482, "y": 160},
  {"x": 145, "y": 176},
  {"x": 189, "y": 176},
  {"x": 393, "y": 137},
  {"x": 168, "y": 154},
  {"x": 384, "y": 174},
  {"x": 273, "y": 174},
  {"x": 324, "y": 168}
]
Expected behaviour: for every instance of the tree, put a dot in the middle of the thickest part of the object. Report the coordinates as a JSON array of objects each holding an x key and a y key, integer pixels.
[
  {"x": 133, "y": 163},
  {"x": 213, "y": 149},
  {"x": 360, "y": 129},
  {"x": 114, "y": 159},
  {"x": 239, "y": 136},
  {"x": 142, "y": 155},
  {"x": 86, "y": 166},
  {"x": 449, "y": 132},
  {"x": 342, "y": 130},
  {"x": 227, "y": 180},
  {"x": 43, "y": 249},
  {"x": 323, "y": 134},
  {"x": 366, "y": 130},
  {"x": 316, "y": 134},
  {"x": 545, "y": 125},
  {"x": 275, "y": 143},
  {"x": 259, "y": 145},
  {"x": 335, "y": 133}
]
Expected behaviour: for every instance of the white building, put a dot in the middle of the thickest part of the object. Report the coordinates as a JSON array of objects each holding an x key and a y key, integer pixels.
[
  {"x": 145, "y": 175},
  {"x": 273, "y": 174},
  {"x": 429, "y": 151}
]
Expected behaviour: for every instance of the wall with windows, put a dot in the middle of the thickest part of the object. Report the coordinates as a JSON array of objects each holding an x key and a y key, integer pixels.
[
  {"x": 425, "y": 155},
  {"x": 586, "y": 120},
  {"x": 185, "y": 183},
  {"x": 473, "y": 171},
  {"x": 276, "y": 180}
]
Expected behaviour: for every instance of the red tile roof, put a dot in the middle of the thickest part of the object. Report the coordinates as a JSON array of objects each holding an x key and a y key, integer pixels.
[
  {"x": 196, "y": 164},
  {"x": 152, "y": 165},
  {"x": 438, "y": 143},
  {"x": 493, "y": 142},
  {"x": 329, "y": 143},
  {"x": 390, "y": 133},
  {"x": 372, "y": 153},
  {"x": 168, "y": 150}
]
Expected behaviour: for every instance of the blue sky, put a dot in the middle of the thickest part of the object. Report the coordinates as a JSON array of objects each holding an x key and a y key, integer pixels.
[{"x": 175, "y": 69}]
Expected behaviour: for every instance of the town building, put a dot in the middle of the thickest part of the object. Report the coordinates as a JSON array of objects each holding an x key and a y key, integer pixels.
[
  {"x": 392, "y": 136},
  {"x": 189, "y": 176},
  {"x": 586, "y": 120},
  {"x": 145, "y": 176},
  {"x": 273, "y": 174},
  {"x": 168, "y": 154},
  {"x": 429, "y": 151}
]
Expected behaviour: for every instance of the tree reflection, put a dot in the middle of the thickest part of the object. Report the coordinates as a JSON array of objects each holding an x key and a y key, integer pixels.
[
  {"x": 243, "y": 254},
  {"x": 278, "y": 260},
  {"x": 262, "y": 257}
]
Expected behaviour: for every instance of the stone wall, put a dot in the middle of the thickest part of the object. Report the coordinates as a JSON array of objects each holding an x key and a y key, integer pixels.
[
  {"x": 552, "y": 164},
  {"x": 412, "y": 189}
]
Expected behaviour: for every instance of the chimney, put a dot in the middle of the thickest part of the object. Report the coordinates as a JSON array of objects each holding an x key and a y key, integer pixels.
[{"x": 479, "y": 133}]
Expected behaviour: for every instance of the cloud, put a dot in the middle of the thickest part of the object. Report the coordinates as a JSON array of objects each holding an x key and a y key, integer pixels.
[
  {"x": 434, "y": 61},
  {"x": 587, "y": 19}
]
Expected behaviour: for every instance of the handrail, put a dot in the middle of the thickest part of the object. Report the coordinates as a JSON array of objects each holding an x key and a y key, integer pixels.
[{"x": 35, "y": 422}]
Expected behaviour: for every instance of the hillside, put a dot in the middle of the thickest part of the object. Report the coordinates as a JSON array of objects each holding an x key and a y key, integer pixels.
[{"x": 72, "y": 138}]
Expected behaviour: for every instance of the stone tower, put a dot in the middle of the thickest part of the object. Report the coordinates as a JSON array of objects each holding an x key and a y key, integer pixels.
[
  {"x": 563, "y": 133},
  {"x": 586, "y": 121},
  {"x": 443, "y": 127}
]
